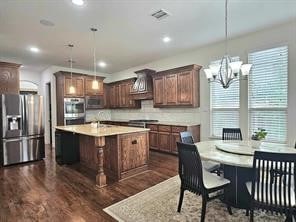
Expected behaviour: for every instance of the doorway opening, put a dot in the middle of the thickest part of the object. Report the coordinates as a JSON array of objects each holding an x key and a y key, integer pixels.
[{"x": 48, "y": 90}]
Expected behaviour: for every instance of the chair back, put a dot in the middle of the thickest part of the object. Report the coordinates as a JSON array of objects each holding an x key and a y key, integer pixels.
[
  {"x": 231, "y": 134},
  {"x": 186, "y": 137},
  {"x": 273, "y": 185},
  {"x": 190, "y": 168}
]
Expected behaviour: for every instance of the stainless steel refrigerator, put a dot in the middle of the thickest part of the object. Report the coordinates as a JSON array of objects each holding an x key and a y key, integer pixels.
[{"x": 22, "y": 131}]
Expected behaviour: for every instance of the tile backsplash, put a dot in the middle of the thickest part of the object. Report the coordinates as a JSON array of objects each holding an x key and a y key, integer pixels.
[
  {"x": 162, "y": 114},
  {"x": 93, "y": 115}
]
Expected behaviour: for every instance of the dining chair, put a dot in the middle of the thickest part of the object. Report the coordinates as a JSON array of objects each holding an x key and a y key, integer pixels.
[
  {"x": 231, "y": 134},
  {"x": 186, "y": 137},
  {"x": 195, "y": 179},
  {"x": 273, "y": 185}
]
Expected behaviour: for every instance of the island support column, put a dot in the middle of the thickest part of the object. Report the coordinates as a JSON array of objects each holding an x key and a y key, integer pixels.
[{"x": 101, "y": 177}]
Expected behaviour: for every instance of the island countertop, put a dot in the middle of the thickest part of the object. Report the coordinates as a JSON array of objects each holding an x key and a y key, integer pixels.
[{"x": 105, "y": 130}]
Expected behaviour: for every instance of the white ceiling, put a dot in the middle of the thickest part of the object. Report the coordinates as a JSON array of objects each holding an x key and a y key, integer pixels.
[{"x": 128, "y": 36}]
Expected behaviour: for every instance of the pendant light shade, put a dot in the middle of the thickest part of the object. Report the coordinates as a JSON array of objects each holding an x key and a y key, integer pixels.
[
  {"x": 72, "y": 89},
  {"x": 95, "y": 83}
]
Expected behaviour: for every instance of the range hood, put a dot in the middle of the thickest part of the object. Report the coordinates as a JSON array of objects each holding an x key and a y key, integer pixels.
[{"x": 142, "y": 88}]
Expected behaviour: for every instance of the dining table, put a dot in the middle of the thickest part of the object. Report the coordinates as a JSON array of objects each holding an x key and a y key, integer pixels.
[{"x": 236, "y": 159}]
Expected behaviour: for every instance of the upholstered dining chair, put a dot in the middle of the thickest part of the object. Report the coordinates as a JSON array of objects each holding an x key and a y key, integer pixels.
[
  {"x": 186, "y": 137},
  {"x": 273, "y": 185},
  {"x": 231, "y": 134},
  {"x": 195, "y": 179}
]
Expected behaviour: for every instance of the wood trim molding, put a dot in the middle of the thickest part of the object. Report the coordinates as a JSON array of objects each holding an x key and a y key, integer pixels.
[{"x": 178, "y": 70}]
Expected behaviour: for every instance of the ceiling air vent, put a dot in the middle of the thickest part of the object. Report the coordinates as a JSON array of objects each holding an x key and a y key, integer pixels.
[{"x": 160, "y": 14}]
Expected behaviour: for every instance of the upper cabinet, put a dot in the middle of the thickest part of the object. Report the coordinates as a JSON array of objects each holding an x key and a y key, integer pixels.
[
  {"x": 9, "y": 78},
  {"x": 77, "y": 82},
  {"x": 119, "y": 95},
  {"x": 89, "y": 91},
  {"x": 177, "y": 87}
]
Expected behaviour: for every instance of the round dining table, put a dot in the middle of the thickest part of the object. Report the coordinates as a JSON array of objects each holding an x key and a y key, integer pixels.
[{"x": 236, "y": 159}]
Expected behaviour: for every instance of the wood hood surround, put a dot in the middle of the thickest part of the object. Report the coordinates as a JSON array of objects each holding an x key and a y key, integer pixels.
[{"x": 142, "y": 88}]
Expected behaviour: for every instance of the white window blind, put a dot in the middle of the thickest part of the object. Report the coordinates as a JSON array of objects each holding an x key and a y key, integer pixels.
[
  {"x": 268, "y": 93},
  {"x": 224, "y": 106}
]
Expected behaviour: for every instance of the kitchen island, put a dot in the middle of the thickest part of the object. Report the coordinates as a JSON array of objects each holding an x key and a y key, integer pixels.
[{"x": 113, "y": 151}]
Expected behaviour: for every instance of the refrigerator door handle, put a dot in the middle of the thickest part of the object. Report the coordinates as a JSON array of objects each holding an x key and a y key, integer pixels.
[
  {"x": 24, "y": 125},
  {"x": 12, "y": 140}
]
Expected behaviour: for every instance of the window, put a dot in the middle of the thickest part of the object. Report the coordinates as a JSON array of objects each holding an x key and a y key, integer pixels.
[
  {"x": 224, "y": 106},
  {"x": 268, "y": 93}
]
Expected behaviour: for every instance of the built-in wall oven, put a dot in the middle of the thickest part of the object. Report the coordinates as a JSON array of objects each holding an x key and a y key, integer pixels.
[
  {"x": 74, "y": 111},
  {"x": 94, "y": 102}
]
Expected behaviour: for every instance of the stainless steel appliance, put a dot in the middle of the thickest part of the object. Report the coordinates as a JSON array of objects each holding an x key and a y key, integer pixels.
[
  {"x": 22, "y": 131},
  {"x": 94, "y": 102},
  {"x": 141, "y": 122},
  {"x": 74, "y": 111}
]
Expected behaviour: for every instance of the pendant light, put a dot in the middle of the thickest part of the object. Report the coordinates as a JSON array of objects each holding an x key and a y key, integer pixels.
[
  {"x": 95, "y": 83},
  {"x": 72, "y": 89}
]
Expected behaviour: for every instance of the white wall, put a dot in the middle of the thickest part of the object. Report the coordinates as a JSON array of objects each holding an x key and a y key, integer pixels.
[
  {"x": 46, "y": 77},
  {"x": 284, "y": 34},
  {"x": 31, "y": 76}
]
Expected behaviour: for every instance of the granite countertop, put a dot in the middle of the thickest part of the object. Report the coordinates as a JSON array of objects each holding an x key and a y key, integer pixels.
[
  {"x": 211, "y": 150},
  {"x": 106, "y": 130},
  {"x": 172, "y": 123}
]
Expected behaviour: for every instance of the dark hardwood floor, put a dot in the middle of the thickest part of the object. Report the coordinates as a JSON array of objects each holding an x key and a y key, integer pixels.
[{"x": 45, "y": 191}]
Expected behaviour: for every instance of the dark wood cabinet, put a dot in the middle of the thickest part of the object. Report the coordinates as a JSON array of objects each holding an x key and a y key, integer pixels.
[
  {"x": 164, "y": 137},
  {"x": 120, "y": 97},
  {"x": 177, "y": 87},
  {"x": 83, "y": 87},
  {"x": 164, "y": 141},
  {"x": 185, "y": 95},
  {"x": 124, "y": 90},
  {"x": 77, "y": 82},
  {"x": 171, "y": 89},
  {"x": 89, "y": 91},
  {"x": 158, "y": 90},
  {"x": 175, "y": 137},
  {"x": 114, "y": 96},
  {"x": 9, "y": 78},
  {"x": 134, "y": 151}
]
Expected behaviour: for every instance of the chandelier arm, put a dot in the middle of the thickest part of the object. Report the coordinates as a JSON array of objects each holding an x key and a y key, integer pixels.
[
  {"x": 232, "y": 81},
  {"x": 220, "y": 73}
]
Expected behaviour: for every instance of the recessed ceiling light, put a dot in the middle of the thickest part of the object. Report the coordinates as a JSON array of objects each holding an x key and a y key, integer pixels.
[
  {"x": 102, "y": 64},
  {"x": 78, "y": 2},
  {"x": 34, "y": 49},
  {"x": 166, "y": 39}
]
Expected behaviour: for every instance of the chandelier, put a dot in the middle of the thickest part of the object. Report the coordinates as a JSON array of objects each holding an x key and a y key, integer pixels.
[
  {"x": 227, "y": 70},
  {"x": 95, "y": 83}
]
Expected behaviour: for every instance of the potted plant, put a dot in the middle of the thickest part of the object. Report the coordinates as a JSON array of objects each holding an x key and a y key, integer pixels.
[{"x": 257, "y": 137}]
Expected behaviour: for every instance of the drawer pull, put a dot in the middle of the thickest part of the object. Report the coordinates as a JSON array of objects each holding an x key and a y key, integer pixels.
[{"x": 134, "y": 142}]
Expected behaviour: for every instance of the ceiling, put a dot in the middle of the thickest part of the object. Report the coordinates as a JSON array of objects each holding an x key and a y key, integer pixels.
[{"x": 128, "y": 35}]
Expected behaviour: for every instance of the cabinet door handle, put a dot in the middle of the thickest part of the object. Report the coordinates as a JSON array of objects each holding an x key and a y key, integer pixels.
[{"x": 134, "y": 142}]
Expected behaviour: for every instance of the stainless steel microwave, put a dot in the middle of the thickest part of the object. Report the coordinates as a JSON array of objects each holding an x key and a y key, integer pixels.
[{"x": 94, "y": 102}]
